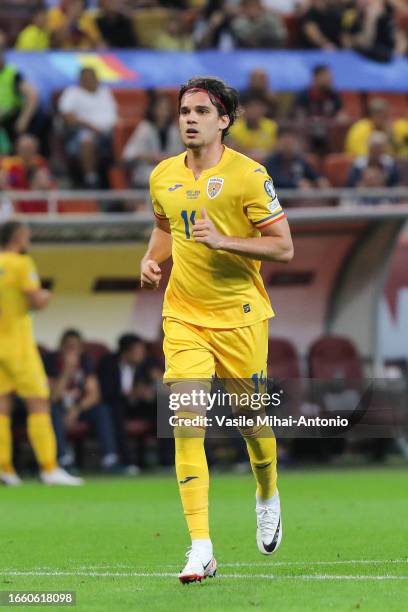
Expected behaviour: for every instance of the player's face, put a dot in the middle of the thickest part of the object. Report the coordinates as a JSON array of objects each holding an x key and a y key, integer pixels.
[
  {"x": 200, "y": 123},
  {"x": 24, "y": 237}
]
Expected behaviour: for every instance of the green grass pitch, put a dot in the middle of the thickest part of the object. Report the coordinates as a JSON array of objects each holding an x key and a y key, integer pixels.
[{"x": 119, "y": 544}]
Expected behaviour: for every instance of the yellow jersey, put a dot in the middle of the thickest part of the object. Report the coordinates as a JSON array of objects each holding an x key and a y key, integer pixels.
[
  {"x": 207, "y": 287},
  {"x": 358, "y": 137},
  {"x": 262, "y": 139},
  {"x": 17, "y": 275}
]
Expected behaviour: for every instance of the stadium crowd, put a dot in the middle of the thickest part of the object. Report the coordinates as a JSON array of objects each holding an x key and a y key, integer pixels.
[{"x": 93, "y": 136}]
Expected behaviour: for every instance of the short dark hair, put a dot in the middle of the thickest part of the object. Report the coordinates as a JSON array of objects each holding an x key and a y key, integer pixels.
[
  {"x": 224, "y": 98},
  {"x": 8, "y": 231},
  {"x": 126, "y": 341},
  {"x": 70, "y": 333},
  {"x": 320, "y": 68}
]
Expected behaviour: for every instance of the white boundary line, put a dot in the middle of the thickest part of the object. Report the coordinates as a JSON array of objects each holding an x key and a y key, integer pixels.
[
  {"x": 223, "y": 576},
  {"x": 270, "y": 564}
]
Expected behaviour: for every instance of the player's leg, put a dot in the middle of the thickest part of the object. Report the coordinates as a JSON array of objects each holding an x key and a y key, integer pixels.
[
  {"x": 241, "y": 360},
  {"x": 8, "y": 475},
  {"x": 188, "y": 361},
  {"x": 32, "y": 386}
]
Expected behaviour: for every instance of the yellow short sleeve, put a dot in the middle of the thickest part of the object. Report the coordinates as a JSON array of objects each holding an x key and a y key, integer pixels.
[
  {"x": 157, "y": 207},
  {"x": 29, "y": 279},
  {"x": 261, "y": 203}
]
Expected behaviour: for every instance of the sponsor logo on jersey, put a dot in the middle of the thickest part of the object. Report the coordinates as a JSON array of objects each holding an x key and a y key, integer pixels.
[
  {"x": 214, "y": 186},
  {"x": 246, "y": 308},
  {"x": 192, "y": 195},
  {"x": 176, "y": 186},
  {"x": 275, "y": 205},
  {"x": 270, "y": 189},
  {"x": 261, "y": 170}
]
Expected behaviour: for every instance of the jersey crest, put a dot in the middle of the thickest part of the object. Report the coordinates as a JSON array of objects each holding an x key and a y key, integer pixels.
[{"x": 214, "y": 186}]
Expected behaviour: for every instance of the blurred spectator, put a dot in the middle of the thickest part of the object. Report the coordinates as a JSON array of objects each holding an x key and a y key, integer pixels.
[
  {"x": 35, "y": 37},
  {"x": 377, "y": 156},
  {"x": 90, "y": 114},
  {"x": 213, "y": 28},
  {"x": 400, "y": 137},
  {"x": 75, "y": 397},
  {"x": 175, "y": 37},
  {"x": 320, "y": 99},
  {"x": 372, "y": 177},
  {"x": 115, "y": 25},
  {"x": 321, "y": 24},
  {"x": 154, "y": 139},
  {"x": 378, "y": 120},
  {"x": 289, "y": 168},
  {"x": 370, "y": 28},
  {"x": 127, "y": 379},
  {"x": 259, "y": 85},
  {"x": 257, "y": 27},
  {"x": 19, "y": 105},
  {"x": 28, "y": 170},
  {"x": 317, "y": 106},
  {"x": 254, "y": 134},
  {"x": 71, "y": 27}
]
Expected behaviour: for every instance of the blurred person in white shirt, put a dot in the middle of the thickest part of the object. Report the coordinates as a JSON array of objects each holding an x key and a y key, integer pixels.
[{"x": 90, "y": 114}]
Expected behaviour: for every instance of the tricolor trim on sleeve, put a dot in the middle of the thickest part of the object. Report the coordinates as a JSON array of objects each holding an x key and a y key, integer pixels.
[
  {"x": 278, "y": 216},
  {"x": 159, "y": 216}
]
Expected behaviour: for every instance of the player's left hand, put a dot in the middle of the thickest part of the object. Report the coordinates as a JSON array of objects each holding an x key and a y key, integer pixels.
[{"x": 204, "y": 231}]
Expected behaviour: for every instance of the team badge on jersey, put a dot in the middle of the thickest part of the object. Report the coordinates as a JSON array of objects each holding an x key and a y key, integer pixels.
[
  {"x": 214, "y": 186},
  {"x": 270, "y": 189}
]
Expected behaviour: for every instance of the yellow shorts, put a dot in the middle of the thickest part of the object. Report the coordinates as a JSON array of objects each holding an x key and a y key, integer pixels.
[
  {"x": 194, "y": 352},
  {"x": 24, "y": 374}
]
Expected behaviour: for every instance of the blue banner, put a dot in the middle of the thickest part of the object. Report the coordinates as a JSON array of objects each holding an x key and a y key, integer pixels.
[{"x": 145, "y": 68}]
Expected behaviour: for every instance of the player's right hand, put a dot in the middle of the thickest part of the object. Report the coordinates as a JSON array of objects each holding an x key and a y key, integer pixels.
[{"x": 150, "y": 274}]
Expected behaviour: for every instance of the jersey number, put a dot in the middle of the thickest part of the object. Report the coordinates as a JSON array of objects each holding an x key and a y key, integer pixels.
[{"x": 187, "y": 221}]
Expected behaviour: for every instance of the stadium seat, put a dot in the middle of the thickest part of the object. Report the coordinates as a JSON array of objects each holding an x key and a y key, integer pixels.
[
  {"x": 397, "y": 102},
  {"x": 131, "y": 103},
  {"x": 121, "y": 134},
  {"x": 336, "y": 167},
  {"x": 283, "y": 360},
  {"x": 293, "y": 27},
  {"x": 352, "y": 104},
  {"x": 402, "y": 19},
  {"x": 76, "y": 207},
  {"x": 117, "y": 178},
  {"x": 334, "y": 357},
  {"x": 96, "y": 350}
]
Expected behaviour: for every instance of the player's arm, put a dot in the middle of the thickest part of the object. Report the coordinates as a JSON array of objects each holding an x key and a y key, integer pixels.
[
  {"x": 158, "y": 250},
  {"x": 275, "y": 244},
  {"x": 38, "y": 299}
]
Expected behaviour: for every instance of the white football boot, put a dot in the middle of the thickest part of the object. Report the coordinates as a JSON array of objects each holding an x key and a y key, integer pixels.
[
  {"x": 269, "y": 524},
  {"x": 200, "y": 565},
  {"x": 11, "y": 479},
  {"x": 60, "y": 477}
]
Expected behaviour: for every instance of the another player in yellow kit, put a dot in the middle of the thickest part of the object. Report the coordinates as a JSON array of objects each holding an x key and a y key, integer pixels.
[
  {"x": 217, "y": 214},
  {"x": 21, "y": 368}
]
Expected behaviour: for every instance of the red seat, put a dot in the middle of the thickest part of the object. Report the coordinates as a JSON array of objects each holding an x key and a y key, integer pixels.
[
  {"x": 131, "y": 103},
  {"x": 283, "y": 360},
  {"x": 81, "y": 207},
  {"x": 336, "y": 168},
  {"x": 352, "y": 103},
  {"x": 293, "y": 27},
  {"x": 397, "y": 102},
  {"x": 334, "y": 357},
  {"x": 96, "y": 350},
  {"x": 121, "y": 134}
]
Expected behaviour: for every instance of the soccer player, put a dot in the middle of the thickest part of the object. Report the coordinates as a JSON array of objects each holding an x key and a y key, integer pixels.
[
  {"x": 217, "y": 214},
  {"x": 21, "y": 369}
]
